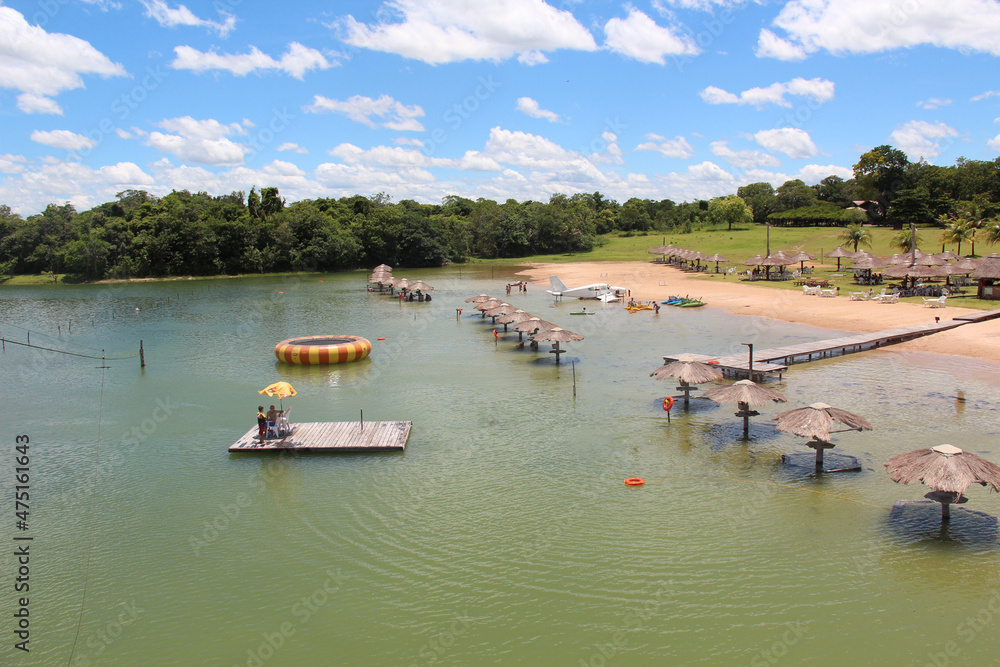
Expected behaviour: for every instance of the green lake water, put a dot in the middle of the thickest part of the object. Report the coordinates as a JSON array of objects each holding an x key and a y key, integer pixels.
[{"x": 504, "y": 534}]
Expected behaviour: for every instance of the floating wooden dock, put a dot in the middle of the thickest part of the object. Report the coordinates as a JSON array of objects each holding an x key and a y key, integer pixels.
[
  {"x": 777, "y": 360},
  {"x": 331, "y": 437}
]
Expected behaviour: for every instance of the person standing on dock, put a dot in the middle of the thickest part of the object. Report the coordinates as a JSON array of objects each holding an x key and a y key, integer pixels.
[{"x": 261, "y": 422}]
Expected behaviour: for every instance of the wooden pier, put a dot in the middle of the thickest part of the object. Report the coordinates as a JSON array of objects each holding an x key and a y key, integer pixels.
[
  {"x": 777, "y": 360},
  {"x": 331, "y": 437}
]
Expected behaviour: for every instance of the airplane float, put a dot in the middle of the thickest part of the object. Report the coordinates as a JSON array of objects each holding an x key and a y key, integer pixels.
[{"x": 601, "y": 291}]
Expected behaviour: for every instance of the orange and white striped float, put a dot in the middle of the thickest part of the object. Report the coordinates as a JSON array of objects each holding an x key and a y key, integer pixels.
[{"x": 322, "y": 349}]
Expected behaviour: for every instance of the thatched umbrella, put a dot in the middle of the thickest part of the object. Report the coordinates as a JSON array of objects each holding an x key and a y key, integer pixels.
[
  {"x": 420, "y": 286},
  {"x": 916, "y": 271},
  {"x": 479, "y": 299},
  {"x": 489, "y": 304},
  {"x": 383, "y": 267},
  {"x": 502, "y": 309},
  {"x": 776, "y": 259},
  {"x": 716, "y": 258},
  {"x": 697, "y": 257},
  {"x": 839, "y": 252},
  {"x": 754, "y": 261},
  {"x": 745, "y": 393},
  {"x": 802, "y": 258},
  {"x": 929, "y": 260},
  {"x": 947, "y": 470},
  {"x": 947, "y": 255},
  {"x": 514, "y": 317},
  {"x": 555, "y": 335},
  {"x": 688, "y": 371},
  {"x": 402, "y": 284},
  {"x": 815, "y": 421},
  {"x": 532, "y": 324}
]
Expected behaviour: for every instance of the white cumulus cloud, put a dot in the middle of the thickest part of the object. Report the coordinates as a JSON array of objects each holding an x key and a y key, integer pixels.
[
  {"x": 382, "y": 112},
  {"x": 919, "y": 138},
  {"x": 181, "y": 15},
  {"x": 837, "y": 26},
  {"x": 296, "y": 61},
  {"x": 41, "y": 64},
  {"x": 445, "y": 31},
  {"x": 820, "y": 90},
  {"x": 531, "y": 108},
  {"x": 200, "y": 141},
  {"x": 291, "y": 146},
  {"x": 70, "y": 141},
  {"x": 639, "y": 37},
  {"x": 745, "y": 159},
  {"x": 675, "y": 148},
  {"x": 791, "y": 141}
]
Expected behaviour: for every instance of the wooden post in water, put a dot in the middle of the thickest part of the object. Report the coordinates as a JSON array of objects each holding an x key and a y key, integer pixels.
[
  {"x": 142, "y": 355},
  {"x": 573, "y": 366},
  {"x": 362, "y": 419}
]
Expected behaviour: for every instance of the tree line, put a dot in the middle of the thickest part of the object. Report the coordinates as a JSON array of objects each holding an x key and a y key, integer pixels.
[{"x": 140, "y": 235}]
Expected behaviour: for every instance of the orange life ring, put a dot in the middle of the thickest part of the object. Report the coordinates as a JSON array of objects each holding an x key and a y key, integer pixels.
[
  {"x": 635, "y": 481},
  {"x": 668, "y": 403}
]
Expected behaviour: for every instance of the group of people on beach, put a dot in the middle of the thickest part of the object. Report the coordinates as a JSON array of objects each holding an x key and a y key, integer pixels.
[{"x": 520, "y": 285}]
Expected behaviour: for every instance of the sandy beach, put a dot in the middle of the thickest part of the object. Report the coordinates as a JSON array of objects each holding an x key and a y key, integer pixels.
[{"x": 645, "y": 280}]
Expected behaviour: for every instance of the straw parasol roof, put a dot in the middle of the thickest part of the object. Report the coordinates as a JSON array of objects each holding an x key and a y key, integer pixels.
[
  {"x": 816, "y": 420},
  {"x": 401, "y": 283},
  {"x": 966, "y": 266},
  {"x": 861, "y": 253},
  {"x": 947, "y": 255},
  {"x": 944, "y": 468},
  {"x": 489, "y": 304},
  {"x": 688, "y": 371},
  {"x": 915, "y": 271},
  {"x": 659, "y": 250},
  {"x": 383, "y": 267},
  {"x": 754, "y": 261},
  {"x": 745, "y": 391},
  {"x": 839, "y": 252},
  {"x": 989, "y": 267},
  {"x": 929, "y": 260},
  {"x": 716, "y": 258},
  {"x": 532, "y": 324},
  {"x": 479, "y": 299},
  {"x": 502, "y": 309},
  {"x": 419, "y": 285},
  {"x": 514, "y": 317},
  {"x": 555, "y": 335},
  {"x": 870, "y": 263}
]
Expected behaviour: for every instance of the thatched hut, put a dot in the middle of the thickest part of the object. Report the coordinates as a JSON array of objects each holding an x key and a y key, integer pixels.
[
  {"x": 745, "y": 393},
  {"x": 988, "y": 274},
  {"x": 816, "y": 421},
  {"x": 688, "y": 371},
  {"x": 947, "y": 470}
]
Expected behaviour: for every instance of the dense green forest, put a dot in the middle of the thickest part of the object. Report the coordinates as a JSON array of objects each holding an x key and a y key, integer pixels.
[{"x": 185, "y": 233}]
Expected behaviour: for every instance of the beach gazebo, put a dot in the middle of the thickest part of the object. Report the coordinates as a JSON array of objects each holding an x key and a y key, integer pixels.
[
  {"x": 802, "y": 258},
  {"x": 816, "y": 422},
  {"x": 746, "y": 394},
  {"x": 947, "y": 470},
  {"x": 988, "y": 273},
  {"x": 555, "y": 335},
  {"x": 839, "y": 252},
  {"x": 688, "y": 370}
]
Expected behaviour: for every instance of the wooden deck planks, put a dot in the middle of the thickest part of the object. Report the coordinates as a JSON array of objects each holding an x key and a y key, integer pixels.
[{"x": 332, "y": 437}]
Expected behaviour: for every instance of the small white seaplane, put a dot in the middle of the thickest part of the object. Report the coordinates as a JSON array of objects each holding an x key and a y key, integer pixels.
[{"x": 601, "y": 291}]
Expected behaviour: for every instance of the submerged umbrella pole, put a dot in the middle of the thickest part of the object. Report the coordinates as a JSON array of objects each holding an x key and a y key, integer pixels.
[
  {"x": 820, "y": 446},
  {"x": 686, "y": 388}
]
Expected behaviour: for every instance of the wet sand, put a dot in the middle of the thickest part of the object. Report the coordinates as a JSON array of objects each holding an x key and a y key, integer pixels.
[{"x": 978, "y": 340}]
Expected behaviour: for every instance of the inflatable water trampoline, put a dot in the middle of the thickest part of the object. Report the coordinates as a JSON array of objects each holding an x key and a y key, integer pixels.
[{"x": 322, "y": 349}]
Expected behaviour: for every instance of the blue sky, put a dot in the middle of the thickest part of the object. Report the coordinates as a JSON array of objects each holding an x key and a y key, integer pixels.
[{"x": 678, "y": 99}]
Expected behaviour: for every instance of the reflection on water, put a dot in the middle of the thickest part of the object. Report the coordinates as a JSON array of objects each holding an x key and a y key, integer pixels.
[{"x": 505, "y": 530}]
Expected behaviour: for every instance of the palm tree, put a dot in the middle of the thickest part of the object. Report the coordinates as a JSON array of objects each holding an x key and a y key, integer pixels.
[
  {"x": 904, "y": 241},
  {"x": 973, "y": 215},
  {"x": 957, "y": 231},
  {"x": 992, "y": 230},
  {"x": 856, "y": 235}
]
